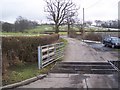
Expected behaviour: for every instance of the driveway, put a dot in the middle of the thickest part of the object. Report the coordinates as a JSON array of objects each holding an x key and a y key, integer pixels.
[
  {"x": 78, "y": 51},
  {"x": 70, "y": 73},
  {"x": 99, "y": 47}
]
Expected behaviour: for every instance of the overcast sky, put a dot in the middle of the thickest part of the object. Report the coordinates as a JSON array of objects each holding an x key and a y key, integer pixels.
[{"x": 34, "y": 9}]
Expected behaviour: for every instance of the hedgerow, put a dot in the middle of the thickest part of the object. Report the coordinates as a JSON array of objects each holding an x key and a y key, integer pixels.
[{"x": 18, "y": 50}]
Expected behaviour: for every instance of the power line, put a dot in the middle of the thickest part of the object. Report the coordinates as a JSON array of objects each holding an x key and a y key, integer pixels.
[
  {"x": 115, "y": 4},
  {"x": 94, "y": 4}
]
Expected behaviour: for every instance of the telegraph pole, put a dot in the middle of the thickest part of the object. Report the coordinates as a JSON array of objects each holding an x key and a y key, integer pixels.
[
  {"x": 83, "y": 31},
  {"x": 83, "y": 16}
]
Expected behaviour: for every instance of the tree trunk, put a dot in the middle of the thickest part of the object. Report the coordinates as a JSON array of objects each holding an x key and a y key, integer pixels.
[
  {"x": 56, "y": 28},
  {"x": 68, "y": 29},
  {"x": 83, "y": 33}
]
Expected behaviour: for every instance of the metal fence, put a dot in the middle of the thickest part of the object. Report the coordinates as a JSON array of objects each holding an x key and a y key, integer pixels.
[{"x": 49, "y": 53}]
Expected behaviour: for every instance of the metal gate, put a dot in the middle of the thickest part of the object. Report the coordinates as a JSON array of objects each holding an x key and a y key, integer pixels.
[{"x": 48, "y": 54}]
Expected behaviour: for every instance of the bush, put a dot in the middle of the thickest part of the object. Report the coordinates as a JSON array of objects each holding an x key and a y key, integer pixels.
[
  {"x": 17, "y": 50},
  {"x": 72, "y": 34},
  {"x": 93, "y": 36}
]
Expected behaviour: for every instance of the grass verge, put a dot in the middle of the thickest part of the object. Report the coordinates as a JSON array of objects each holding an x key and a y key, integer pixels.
[
  {"x": 63, "y": 40},
  {"x": 25, "y": 71}
]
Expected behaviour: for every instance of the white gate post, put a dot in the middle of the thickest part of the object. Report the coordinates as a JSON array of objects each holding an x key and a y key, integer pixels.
[{"x": 39, "y": 57}]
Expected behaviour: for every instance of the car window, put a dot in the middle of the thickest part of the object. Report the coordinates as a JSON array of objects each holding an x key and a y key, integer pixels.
[
  {"x": 117, "y": 40},
  {"x": 108, "y": 39}
]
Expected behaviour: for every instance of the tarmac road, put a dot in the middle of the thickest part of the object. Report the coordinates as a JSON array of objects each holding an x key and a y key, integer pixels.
[
  {"x": 78, "y": 51},
  {"x": 101, "y": 48}
]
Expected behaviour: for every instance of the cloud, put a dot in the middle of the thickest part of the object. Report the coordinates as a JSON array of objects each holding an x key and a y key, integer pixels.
[
  {"x": 119, "y": 11},
  {"x": 100, "y": 9},
  {"x": 34, "y": 9},
  {"x": 31, "y": 9}
]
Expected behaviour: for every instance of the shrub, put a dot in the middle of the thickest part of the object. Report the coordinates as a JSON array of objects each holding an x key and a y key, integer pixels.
[
  {"x": 17, "y": 50},
  {"x": 93, "y": 36},
  {"x": 72, "y": 34}
]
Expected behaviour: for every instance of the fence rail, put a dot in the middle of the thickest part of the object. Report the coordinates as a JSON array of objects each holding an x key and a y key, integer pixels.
[{"x": 48, "y": 54}]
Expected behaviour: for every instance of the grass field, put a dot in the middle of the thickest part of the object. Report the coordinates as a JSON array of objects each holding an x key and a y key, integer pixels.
[
  {"x": 24, "y": 71},
  {"x": 17, "y": 34},
  {"x": 32, "y": 32},
  {"x": 35, "y": 31},
  {"x": 39, "y": 30},
  {"x": 42, "y": 28}
]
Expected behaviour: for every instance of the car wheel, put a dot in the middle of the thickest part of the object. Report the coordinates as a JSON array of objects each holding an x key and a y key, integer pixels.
[
  {"x": 105, "y": 45},
  {"x": 113, "y": 46}
]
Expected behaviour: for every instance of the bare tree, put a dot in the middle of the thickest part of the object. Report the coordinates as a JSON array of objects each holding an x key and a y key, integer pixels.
[
  {"x": 7, "y": 27},
  {"x": 22, "y": 23},
  {"x": 71, "y": 19},
  {"x": 79, "y": 25},
  {"x": 98, "y": 22},
  {"x": 59, "y": 11},
  {"x": 89, "y": 23}
]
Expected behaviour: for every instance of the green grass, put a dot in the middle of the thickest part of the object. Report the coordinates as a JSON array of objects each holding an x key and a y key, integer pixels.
[
  {"x": 36, "y": 31},
  {"x": 63, "y": 28},
  {"x": 63, "y": 33},
  {"x": 18, "y": 34},
  {"x": 33, "y": 32},
  {"x": 23, "y": 72},
  {"x": 64, "y": 40},
  {"x": 40, "y": 29}
]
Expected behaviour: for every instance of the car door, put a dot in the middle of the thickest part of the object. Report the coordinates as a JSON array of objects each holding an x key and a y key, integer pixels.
[{"x": 108, "y": 41}]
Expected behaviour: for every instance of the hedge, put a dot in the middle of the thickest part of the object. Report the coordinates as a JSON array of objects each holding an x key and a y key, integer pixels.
[{"x": 17, "y": 50}]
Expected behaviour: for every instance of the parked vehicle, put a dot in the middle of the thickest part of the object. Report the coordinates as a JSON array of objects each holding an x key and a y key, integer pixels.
[{"x": 111, "y": 41}]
